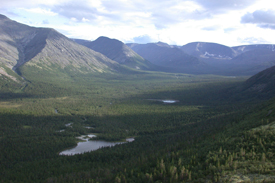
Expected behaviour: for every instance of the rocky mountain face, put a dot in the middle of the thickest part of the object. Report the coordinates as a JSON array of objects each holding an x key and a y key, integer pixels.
[
  {"x": 14, "y": 38},
  {"x": 46, "y": 49},
  {"x": 117, "y": 51},
  {"x": 165, "y": 55}
]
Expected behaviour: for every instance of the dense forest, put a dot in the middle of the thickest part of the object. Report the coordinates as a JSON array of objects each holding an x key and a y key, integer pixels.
[{"x": 213, "y": 133}]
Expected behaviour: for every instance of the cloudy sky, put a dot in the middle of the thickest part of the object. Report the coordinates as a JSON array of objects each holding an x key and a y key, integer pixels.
[{"x": 228, "y": 22}]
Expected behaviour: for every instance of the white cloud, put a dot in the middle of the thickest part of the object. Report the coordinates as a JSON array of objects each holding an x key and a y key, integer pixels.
[
  {"x": 259, "y": 16},
  {"x": 47, "y": 12},
  {"x": 171, "y": 21},
  {"x": 253, "y": 40},
  {"x": 85, "y": 20}
]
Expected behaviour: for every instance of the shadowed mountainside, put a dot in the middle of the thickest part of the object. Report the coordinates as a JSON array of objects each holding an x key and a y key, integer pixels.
[
  {"x": 165, "y": 55},
  {"x": 261, "y": 84}
]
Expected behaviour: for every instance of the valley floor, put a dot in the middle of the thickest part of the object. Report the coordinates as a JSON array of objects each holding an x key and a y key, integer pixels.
[{"x": 211, "y": 134}]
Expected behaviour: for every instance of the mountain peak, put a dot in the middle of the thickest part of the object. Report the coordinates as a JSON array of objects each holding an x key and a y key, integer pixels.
[
  {"x": 107, "y": 40},
  {"x": 117, "y": 51},
  {"x": 163, "y": 44},
  {"x": 3, "y": 17},
  {"x": 103, "y": 37}
]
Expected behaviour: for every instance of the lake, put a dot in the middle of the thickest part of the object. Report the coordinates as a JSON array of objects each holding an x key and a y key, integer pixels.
[
  {"x": 168, "y": 101},
  {"x": 90, "y": 145}
]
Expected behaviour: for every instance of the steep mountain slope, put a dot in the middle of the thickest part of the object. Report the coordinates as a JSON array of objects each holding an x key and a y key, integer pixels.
[
  {"x": 13, "y": 37},
  {"x": 28, "y": 49},
  {"x": 117, "y": 51},
  {"x": 262, "y": 84},
  {"x": 165, "y": 55}
]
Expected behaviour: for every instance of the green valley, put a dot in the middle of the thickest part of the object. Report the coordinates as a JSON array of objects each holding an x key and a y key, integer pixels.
[
  {"x": 204, "y": 133},
  {"x": 202, "y": 120}
]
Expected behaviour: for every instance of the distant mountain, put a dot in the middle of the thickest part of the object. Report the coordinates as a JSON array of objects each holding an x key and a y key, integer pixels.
[
  {"x": 30, "y": 49},
  {"x": 209, "y": 50},
  {"x": 253, "y": 61},
  {"x": 239, "y": 60},
  {"x": 262, "y": 84},
  {"x": 165, "y": 55},
  {"x": 245, "y": 48},
  {"x": 117, "y": 51},
  {"x": 26, "y": 49}
]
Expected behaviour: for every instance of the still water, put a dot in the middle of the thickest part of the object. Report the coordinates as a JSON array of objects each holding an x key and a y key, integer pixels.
[
  {"x": 90, "y": 145},
  {"x": 169, "y": 101},
  {"x": 165, "y": 101}
]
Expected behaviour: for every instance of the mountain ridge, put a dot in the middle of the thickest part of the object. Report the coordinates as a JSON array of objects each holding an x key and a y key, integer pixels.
[
  {"x": 117, "y": 51},
  {"x": 164, "y": 55},
  {"x": 22, "y": 46},
  {"x": 45, "y": 48}
]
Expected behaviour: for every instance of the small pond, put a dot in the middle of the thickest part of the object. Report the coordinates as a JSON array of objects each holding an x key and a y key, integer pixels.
[
  {"x": 89, "y": 127},
  {"x": 90, "y": 145},
  {"x": 168, "y": 101},
  {"x": 69, "y": 124}
]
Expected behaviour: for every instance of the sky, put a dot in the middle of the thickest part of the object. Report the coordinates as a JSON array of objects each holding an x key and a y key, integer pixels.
[{"x": 176, "y": 22}]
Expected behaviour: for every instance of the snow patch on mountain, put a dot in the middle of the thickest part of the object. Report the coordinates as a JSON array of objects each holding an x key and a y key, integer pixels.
[{"x": 208, "y": 55}]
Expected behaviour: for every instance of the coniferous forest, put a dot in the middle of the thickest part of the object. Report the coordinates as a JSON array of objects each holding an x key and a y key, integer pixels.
[{"x": 216, "y": 131}]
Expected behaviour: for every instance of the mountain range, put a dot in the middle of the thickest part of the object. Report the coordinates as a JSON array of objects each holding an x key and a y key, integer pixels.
[
  {"x": 164, "y": 55},
  {"x": 209, "y": 58},
  {"x": 30, "y": 50}
]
